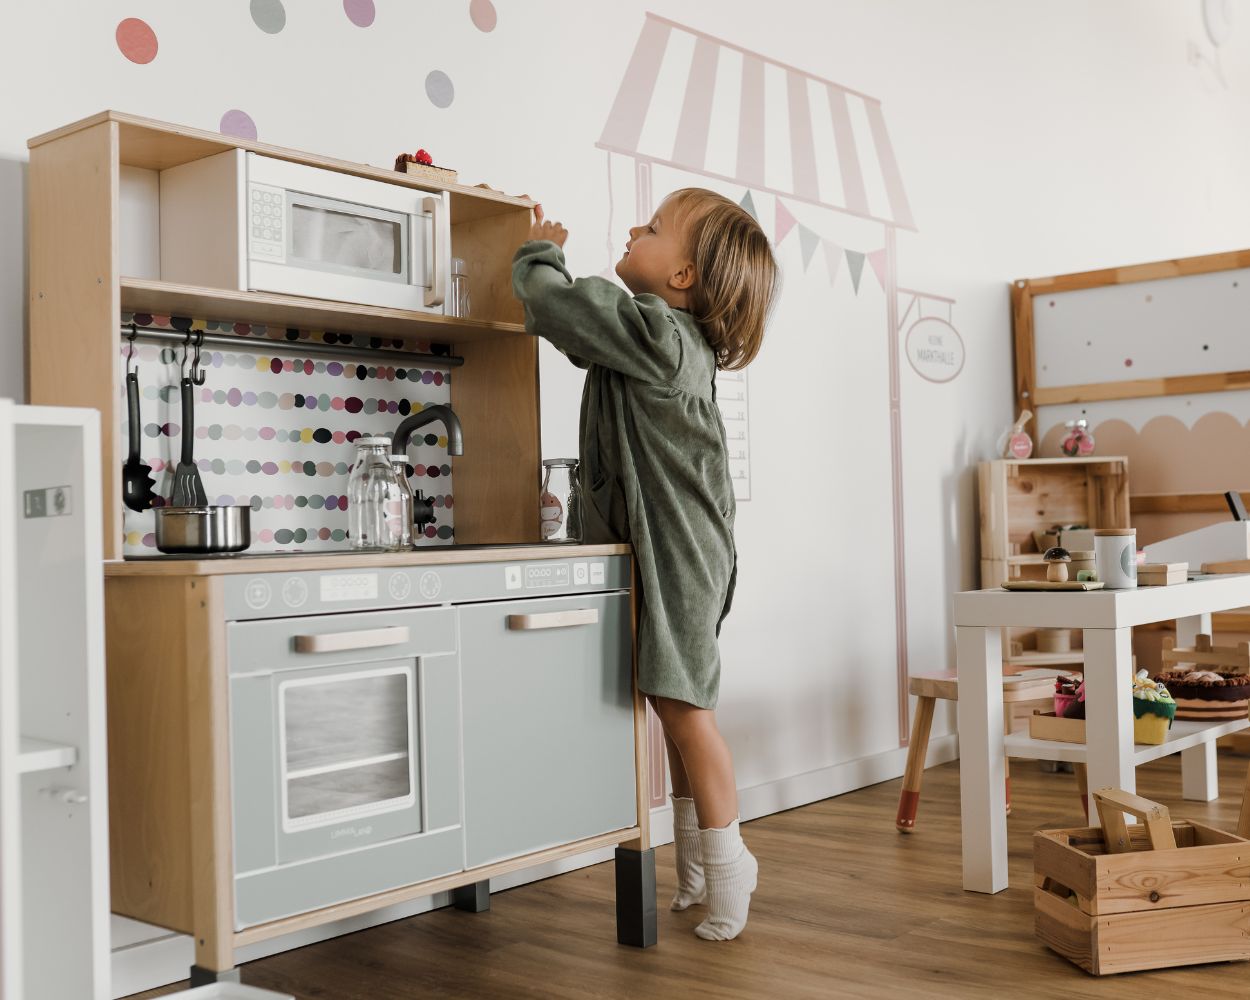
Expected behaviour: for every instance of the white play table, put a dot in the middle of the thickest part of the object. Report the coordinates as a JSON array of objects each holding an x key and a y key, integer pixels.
[{"x": 1106, "y": 618}]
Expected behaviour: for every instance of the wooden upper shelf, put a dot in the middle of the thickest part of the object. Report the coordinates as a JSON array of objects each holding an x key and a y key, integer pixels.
[
  {"x": 168, "y": 298},
  {"x": 156, "y": 145}
]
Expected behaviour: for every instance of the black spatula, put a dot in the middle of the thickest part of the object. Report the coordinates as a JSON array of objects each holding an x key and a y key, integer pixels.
[{"x": 188, "y": 490}]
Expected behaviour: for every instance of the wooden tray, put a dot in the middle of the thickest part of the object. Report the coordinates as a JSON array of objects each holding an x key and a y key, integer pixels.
[{"x": 1049, "y": 585}]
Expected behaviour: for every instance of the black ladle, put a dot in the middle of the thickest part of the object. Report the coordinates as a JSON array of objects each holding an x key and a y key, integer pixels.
[{"x": 138, "y": 486}]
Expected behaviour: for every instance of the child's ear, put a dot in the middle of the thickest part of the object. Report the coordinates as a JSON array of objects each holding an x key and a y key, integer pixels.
[{"x": 684, "y": 278}]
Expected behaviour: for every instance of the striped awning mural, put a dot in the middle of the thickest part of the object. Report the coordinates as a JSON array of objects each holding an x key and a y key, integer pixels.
[{"x": 705, "y": 105}]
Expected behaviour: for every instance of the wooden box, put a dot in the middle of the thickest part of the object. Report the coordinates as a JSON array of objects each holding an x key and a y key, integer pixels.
[
  {"x": 1049, "y": 726},
  {"x": 1142, "y": 907}
]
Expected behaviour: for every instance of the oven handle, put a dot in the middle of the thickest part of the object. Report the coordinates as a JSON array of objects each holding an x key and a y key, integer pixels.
[
  {"x": 334, "y": 642},
  {"x": 438, "y": 279},
  {"x": 553, "y": 619}
]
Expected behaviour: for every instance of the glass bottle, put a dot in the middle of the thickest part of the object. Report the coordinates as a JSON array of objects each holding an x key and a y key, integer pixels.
[
  {"x": 402, "y": 514},
  {"x": 1077, "y": 439},
  {"x": 559, "y": 503},
  {"x": 371, "y": 487},
  {"x": 459, "y": 288}
]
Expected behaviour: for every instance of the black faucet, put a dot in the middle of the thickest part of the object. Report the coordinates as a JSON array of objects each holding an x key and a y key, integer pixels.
[{"x": 423, "y": 509}]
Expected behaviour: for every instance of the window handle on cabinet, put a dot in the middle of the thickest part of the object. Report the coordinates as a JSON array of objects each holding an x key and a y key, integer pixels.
[
  {"x": 333, "y": 642},
  {"x": 553, "y": 619}
]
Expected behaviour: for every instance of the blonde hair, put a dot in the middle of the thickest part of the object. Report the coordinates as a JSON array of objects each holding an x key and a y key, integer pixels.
[{"x": 736, "y": 274}]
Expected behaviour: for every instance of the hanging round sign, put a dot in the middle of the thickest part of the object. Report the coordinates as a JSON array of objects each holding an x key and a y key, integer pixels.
[{"x": 935, "y": 349}]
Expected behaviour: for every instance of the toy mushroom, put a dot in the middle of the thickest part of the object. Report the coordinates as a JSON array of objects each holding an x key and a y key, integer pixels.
[{"x": 1057, "y": 560}]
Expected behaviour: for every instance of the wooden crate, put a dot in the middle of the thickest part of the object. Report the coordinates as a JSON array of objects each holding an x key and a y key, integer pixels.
[
  {"x": 1018, "y": 498},
  {"x": 1163, "y": 894}
]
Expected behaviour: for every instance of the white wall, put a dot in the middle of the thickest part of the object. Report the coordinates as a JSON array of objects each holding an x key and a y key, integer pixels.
[{"x": 1032, "y": 137}]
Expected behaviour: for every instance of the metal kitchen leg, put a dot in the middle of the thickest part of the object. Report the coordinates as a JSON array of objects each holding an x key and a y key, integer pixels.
[
  {"x": 473, "y": 898},
  {"x": 635, "y": 898},
  {"x": 201, "y": 976}
]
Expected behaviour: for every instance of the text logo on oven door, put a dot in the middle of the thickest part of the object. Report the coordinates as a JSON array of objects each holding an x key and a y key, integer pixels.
[{"x": 431, "y": 584}]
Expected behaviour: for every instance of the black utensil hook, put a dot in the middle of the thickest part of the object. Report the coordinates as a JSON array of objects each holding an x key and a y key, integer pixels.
[
  {"x": 198, "y": 375},
  {"x": 130, "y": 354}
]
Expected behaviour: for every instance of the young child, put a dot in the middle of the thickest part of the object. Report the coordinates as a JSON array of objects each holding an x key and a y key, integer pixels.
[{"x": 655, "y": 473}]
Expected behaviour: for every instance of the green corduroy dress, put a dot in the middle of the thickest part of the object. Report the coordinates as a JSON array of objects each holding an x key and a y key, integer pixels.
[{"x": 654, "y": 460}]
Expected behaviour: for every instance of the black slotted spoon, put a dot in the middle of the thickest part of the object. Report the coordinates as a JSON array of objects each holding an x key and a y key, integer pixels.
[{"x": 138, "y": 486}]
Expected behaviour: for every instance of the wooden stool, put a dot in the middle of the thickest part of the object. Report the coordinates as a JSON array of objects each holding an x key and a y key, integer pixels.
[{"x": 928, "y": 689}]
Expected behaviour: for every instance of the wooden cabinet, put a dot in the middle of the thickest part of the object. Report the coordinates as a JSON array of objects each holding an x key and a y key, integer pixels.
[
  {"x": 1018, "y": 498},
  {"x": 78, "y": 291}
]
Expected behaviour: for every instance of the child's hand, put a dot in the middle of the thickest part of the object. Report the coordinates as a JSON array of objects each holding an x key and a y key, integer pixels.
[{"x": 544, "y": 230}]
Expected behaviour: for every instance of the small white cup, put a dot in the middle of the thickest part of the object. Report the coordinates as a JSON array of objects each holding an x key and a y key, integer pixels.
[{"x": 1115, "y": 556}]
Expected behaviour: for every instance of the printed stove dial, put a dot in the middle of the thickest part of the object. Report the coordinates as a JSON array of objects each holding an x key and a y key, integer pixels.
[{"x": 430, "y": 585}]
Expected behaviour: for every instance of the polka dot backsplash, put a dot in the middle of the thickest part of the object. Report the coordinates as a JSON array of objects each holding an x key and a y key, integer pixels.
[{"x": 275, "y": 432}]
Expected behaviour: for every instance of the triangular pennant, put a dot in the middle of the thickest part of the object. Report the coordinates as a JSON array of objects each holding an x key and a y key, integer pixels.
[
  {"x": 855, "y": 260},
  {"x": 833, "y": 260},
  {"x": 785, "y": 222},
  {"x": 748, "y": 204},
  {"x": 878, "y": 261},
  {"x": 808, "y": 241}
]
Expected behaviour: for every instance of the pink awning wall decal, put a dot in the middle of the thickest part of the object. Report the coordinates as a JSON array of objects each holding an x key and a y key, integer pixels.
[
  {"x": 900, "y": 208},
  {"x": 840, "y": 172},
  {"x": 629, "y": 111},
  {"x": 803, "y": 149},
  {"x": 696, "y": 112},
  {"x": 751, "y": 123},
  {"x": 848, "y": 157}
]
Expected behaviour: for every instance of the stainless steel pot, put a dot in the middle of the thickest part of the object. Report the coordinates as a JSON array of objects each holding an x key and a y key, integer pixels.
[{"x": 203, "y": 529}]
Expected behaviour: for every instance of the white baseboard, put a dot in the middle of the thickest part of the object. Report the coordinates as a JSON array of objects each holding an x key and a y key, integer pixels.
[{"x": 166, "y": 957}]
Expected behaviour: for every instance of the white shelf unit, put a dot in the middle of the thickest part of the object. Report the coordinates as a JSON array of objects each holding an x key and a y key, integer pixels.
[
  {"x": 1183, "y": 735},
  {"x": 54, "y": 876}
]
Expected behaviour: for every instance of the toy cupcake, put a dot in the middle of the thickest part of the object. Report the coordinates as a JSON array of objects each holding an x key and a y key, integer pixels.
[{"x": 1153, "y": 710}]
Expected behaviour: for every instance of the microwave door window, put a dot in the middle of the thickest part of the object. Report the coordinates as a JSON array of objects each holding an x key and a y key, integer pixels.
[
  {"x": 347, "y": 746},
  {"x": 346, "y": 241}
]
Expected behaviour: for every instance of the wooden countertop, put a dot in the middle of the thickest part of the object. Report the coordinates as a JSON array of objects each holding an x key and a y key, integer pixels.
[{"x": 281, "y": 562}]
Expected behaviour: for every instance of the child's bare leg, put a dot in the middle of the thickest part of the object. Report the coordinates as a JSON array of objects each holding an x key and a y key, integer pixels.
[
  {"x": 691, "y": 887},
  {"x": 729, "y": 868}
]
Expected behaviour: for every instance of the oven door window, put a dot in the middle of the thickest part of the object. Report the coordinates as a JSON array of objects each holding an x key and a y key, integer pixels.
[
  {"x": 347, "y": 746},
  {"x": 342, "y": 238}
]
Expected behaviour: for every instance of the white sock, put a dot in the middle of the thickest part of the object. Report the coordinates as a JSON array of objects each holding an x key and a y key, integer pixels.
[
  {"x": 691, "y": 888},
  {"x": 732, "y": 873}
]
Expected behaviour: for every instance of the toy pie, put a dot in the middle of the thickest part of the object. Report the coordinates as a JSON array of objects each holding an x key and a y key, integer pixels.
[{"x": 1208, "y": 694}]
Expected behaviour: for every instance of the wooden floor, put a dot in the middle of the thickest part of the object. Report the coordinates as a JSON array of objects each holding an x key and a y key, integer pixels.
[{"x": 846, "y": 907}]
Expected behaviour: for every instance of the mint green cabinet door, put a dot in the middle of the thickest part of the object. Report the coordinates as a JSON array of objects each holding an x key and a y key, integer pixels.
[{"x": 548, "y": 723}]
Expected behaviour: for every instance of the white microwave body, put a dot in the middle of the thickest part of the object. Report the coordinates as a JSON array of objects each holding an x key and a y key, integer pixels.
[{"x": 250, "y": 222}]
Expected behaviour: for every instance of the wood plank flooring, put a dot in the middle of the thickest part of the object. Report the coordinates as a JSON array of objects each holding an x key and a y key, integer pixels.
[{"x": 846, "y": 907}]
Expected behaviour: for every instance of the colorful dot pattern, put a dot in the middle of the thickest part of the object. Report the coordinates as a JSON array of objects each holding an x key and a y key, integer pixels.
[{"x": 275, "y": 432}]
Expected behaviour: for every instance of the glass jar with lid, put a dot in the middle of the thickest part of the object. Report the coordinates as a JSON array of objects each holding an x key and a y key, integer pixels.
[
  {"x": 400, "y": 515},
  {"x": 559, "y": 503},
  {"x": 373, "y": 494},
  {"x": 459, "y": 304}
]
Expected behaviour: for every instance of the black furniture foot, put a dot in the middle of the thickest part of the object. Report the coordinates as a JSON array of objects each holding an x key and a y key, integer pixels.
[
  {"x": 201, "y": 976},
  {"x": 636, "y": 923},
  {"x": 473, "y": 898}
]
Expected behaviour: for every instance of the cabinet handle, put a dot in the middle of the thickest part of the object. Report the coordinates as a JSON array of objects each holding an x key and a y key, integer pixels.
[
  {"x": 434, "y": 295},
  {"x": 553, "y": 619},
  {"x": 333, "y": 642}
]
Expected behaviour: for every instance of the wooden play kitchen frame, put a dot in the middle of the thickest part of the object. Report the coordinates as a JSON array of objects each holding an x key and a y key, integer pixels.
[
  {"x": 77, "y": 295},
  {"x": 1158, "y": 895}
]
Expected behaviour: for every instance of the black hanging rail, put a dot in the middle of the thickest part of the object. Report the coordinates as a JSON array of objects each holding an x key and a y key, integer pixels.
[{"x": 132, "y": 331}]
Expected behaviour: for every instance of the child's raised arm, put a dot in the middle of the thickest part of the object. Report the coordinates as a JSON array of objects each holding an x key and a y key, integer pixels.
[{"x": 593, "y": 320}]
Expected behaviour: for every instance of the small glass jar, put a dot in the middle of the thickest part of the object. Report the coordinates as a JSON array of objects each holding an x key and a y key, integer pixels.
[
  {"x": 372, "y": 490},
  {"x": 559, "y": 502},
  {"x": 1077, "y": 439},
  {"x": 402, "y": 513},
  {"x": 459, "y": 304}
]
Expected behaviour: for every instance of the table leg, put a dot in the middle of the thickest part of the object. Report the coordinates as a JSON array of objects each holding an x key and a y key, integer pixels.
[
  {"x": 1109, "y": 710},
  {"x": 1200, "y": 774},
  {"x": 979, "y": 653}
]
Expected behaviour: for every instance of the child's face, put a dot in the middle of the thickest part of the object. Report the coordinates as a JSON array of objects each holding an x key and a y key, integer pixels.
[{"x": 655, "y": 258}]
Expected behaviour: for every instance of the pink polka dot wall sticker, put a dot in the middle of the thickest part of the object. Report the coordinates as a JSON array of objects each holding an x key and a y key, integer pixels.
[
  {"x": 238, "y": 124},
  {"x": 360, "y": 12},
  {"x": 136, "y": 40},
  {"x": 482, "y": 13}
]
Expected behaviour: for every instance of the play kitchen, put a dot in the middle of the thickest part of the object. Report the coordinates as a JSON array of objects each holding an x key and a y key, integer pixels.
[{"x": 336, "y": 714}]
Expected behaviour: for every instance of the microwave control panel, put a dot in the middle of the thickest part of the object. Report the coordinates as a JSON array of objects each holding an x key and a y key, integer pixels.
[{"x": 266, "y": 222}]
